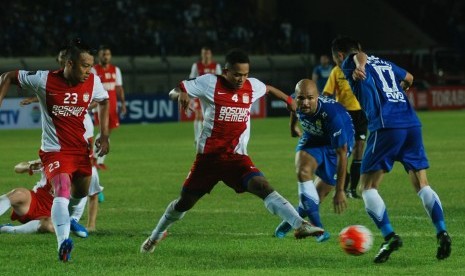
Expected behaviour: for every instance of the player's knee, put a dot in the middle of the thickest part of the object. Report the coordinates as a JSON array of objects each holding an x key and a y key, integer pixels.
[
  {"x": 46, "y": 226},
  {"x": 62, "y": 185},
  {"x": 304, "y": 174},
  {"x": 259, "y": 186}
]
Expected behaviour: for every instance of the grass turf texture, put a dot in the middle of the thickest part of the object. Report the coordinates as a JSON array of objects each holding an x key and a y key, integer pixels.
[{"x": 231, "y": 234}]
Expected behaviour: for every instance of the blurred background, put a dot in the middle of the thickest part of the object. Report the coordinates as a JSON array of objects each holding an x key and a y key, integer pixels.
[{"x": 155, "y": 42}]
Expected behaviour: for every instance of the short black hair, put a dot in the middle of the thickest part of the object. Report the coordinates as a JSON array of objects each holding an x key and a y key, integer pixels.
[
  {"x": 345, "y": 44},
  {"x": 236, "y": 56},
  {"x": 104, "y": 47},
  {"x": 76, "y": 47}
]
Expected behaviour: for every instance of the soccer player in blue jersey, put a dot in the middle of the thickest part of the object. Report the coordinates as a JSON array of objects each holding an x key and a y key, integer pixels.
[
  {"x": 395, "y": 135},
  {"x": 322, "y": 151}
]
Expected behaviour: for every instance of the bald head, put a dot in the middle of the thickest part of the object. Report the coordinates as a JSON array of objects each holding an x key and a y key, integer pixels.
[{"x": 306, "y": 95}]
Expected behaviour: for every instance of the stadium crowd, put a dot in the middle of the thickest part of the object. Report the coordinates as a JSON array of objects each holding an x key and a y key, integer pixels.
[{"x": 134, "y": 27}]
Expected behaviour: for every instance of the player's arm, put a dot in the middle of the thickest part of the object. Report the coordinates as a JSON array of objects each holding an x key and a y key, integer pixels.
[
  {"x": 360, "y": 60},
  {"x": 291, "y": 106},
  {"x": 176, "y": 94},
  {"x": 339, "y": 199},
  {"x": 294, "y": 126},
  {"x": 6, "y": 79},
  {"x": 29, "y": 167},
  {"x": 120, "y": 94},
  {"x": 102, "y": 143},
  {"x": 28, "y": 101},
  {"x": 407, "y": 81}
]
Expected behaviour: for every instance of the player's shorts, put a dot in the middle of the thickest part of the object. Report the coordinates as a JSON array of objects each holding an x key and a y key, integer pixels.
[
  {"x": 94, "y": 187},
  {"x": 385, "y": 146},
  {"x": 360, "y": 122},
  {"x": 235, "y": 170},
  {"x": 326, "y": 159},
  {"x": 76, "y": 165},
  {"x": 41, "y": 206}
]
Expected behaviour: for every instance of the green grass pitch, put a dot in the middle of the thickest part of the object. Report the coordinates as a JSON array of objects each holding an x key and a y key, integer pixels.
[{"x": 230, "y": 234}]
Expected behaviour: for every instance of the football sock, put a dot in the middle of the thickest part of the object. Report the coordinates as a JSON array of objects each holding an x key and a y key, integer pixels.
[
  {"x": 60, "y": 218},
  {"x": 27, "y": 228},
  {"x": 278, "y": 205},
  {"x": 433, "y": 207},
  {"x": 76, "y": 207},
  {"x": 167, "y": 219},
  {"x": 376, "y": 209},
  {"x": 310, "y": 201},
  {"x": 355, "y": 174},
  {"x": 5, "y": 204}
]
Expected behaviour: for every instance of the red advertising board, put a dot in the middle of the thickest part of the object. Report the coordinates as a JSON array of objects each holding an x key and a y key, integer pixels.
[{"x": 438, "y": 98}]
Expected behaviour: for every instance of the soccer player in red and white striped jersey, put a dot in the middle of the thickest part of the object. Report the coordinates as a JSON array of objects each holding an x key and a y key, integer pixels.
[
  {"x": 222, "y": 147},
  {"x": 64, "y": 97}
]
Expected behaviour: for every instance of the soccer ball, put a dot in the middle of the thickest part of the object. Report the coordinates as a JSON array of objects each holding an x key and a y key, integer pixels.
[{"x": 356, "y": 239}]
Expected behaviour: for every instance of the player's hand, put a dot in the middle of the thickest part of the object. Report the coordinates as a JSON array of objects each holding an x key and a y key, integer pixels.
[
  {"x": 339, "y": 202},
  {"x": 103, "y": 145},
  {"x": 359, "y": 73},
  {"x": 295, "y": 131},
  {"x": 183, "y": 101},
  {"x": 123, "y": 110}
]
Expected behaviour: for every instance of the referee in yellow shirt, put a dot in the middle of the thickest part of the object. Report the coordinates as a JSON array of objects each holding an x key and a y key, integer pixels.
[{"x": 338, "y": 87}]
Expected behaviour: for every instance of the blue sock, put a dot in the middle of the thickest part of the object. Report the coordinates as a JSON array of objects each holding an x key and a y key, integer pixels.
[
  {"x": 376, "y": 209},
  {"x": 433, "y": 207}
]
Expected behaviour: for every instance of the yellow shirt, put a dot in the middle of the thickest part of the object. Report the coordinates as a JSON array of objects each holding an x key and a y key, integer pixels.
[{"x": 337, "y": 84}]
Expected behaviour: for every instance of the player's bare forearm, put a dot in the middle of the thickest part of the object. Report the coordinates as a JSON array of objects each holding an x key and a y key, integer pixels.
[
  {"x": 407, "y": 81},
  {"x": 295, "y": 130},
  {"x": 103, "y": 114},
  {"x": 6, "y": 79},
  {"x": 275, "y": 92},
  {"x": 120, "y": 94},
  {"x": 28, "y": 101},
  {"x": 360, "y": 60},
  {"x": 339, "y": 199}
]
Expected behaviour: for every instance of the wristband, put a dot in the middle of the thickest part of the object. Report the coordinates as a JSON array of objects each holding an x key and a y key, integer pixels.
[{"x": 289, "y": 100}]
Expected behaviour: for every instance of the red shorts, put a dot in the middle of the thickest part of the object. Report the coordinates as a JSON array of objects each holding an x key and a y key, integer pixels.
[
  {"x": 41, "y": 206},
  {"x": 70, "y": 163},
  {"x": 235, "y": 170}
]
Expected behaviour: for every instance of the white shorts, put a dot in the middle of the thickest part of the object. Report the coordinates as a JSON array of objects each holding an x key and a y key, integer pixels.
[{"x": 95, "y": 187}]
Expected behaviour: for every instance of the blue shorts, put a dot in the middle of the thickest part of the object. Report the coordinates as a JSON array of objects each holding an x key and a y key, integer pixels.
[
  {"x": 385, "y": 146},
  {"x": 327, "y": 162}
]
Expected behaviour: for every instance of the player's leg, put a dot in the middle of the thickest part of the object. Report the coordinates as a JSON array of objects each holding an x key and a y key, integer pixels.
[
  {"x": 433, "y": 207},
  {"x": 92, "y": 212},
  {"x": 278, "y": 205},
  {"x": 174, "y": 212},
  {"x": 357, "y": 154},
  {"x": 361, "y": 127},
  {"x": 46, "y": 225},
  {"x": 19, "y": 199},
  {"x": 306, "y": 165},
  {"x": 323, "y": 190},
  {"x": 78, "y": 199},
  {"x": 60, "y": 213},
  {"x": 376, "y": 209},
  {"x": 29, "y": 227}
]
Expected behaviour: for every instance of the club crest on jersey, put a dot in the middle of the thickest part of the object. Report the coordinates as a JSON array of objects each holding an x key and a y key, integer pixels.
[
  {"x": 245, "y": 98},
  {"x": 86, "y": 97}
]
